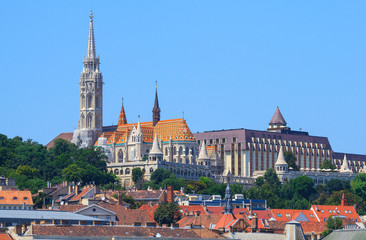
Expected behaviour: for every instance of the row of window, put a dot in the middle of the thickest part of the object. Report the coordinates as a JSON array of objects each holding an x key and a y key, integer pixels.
[
  {"x": 15, "y": 207},
  {"x": 14, "y": 198}
]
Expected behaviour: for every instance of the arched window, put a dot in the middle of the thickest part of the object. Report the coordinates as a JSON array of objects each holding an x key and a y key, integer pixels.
[
  {"x": 90, "y": 101},
  {"x": 151, "y": 170},
  {"x": 120, "y": 155},
  {"x": 187, "y": 151},
  {"x": 127, "y": 171},
  {"x": 121, "y": 172},
  {"x": 83, "y": 101},
  {"x": 180, "y": 150},
  {"x": 116, "y": 172},
  {"x": 89, "y": 120},
  {"x": 166, "y": 151},
  {"x": 192, "y": 149},
  {"x": 175, "y": 151},
  {"x": 82, "y": 118}
]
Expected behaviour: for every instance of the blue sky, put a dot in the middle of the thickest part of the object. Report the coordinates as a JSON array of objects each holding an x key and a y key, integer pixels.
[{"x": 226, "y": 64}]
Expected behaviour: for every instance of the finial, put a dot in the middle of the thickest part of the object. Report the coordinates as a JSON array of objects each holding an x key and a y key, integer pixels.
[
  {"x": 91, "y": 15},
  {"x": 183, "y": 115},
  {"x": 122, "y": 102},
  {"x": 156, "y": 84},
  {"x": 139, "y": 118}
]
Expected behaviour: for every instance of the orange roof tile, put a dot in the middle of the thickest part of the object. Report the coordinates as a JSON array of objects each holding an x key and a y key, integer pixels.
[
  {"x": 80, "y": 195},
  {"x": 16, "y": 197},
  {"x": 177, "y": 129},
  {"x": 5, "y": 236},
  {"x": 325, "y": 211}
]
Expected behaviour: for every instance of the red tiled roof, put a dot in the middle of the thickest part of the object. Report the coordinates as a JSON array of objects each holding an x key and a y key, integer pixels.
[
  {"x": 81, "y": 194},
  {"x": 225, "y": 221},
  {"x": 5, "y": 236},
  {"x": 145, "y": 194},
  {"x": 16, "y": 197},
  {"x": 325, "y": 211},
  {"x": 149, "y": 209},
  {"x": 65, "y": 136},
  {"x": 293, "y": 214},
  {"x": 205, "y": 221},
  {"x": 192, "y": 209},
  {"x": 121, "y": 231}
]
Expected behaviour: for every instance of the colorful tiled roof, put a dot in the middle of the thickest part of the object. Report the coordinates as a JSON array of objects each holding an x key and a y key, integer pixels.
[
  {"x": 16, "y": 197},
  {"x": 177, "y": 129}
]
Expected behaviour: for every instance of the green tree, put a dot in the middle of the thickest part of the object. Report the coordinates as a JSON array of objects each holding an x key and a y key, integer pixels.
[
  {"x": 303, "y": 186},
  {"x": 73, "y": 173},
  {"x": 291, "y": 160},
  {"x": 138, "y": 177},
  {"x": 359, "y": 185},
  {"x": 159, "y": 175},
  {"x": 332, "y": 224},
  {"x": 167, "y": 213},
  {"x": 327, "y": 164}
]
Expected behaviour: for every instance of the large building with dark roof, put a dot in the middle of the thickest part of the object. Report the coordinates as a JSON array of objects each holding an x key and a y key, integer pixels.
[{"x": 244, "y": 151}]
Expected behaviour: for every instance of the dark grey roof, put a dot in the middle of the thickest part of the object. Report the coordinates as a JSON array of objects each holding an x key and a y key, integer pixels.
[
  {"x": 245, "y": 136},
  {"x": 43, "y": 215},
  {"x": 350, "y": 156},
  {"x": 354, "y": 234},
  {"x": 278, "y": 118}
]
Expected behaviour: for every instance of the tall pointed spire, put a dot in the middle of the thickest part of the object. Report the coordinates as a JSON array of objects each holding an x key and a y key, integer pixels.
[
  {"x": 122, "y": 116},
  {"x": 228, "y": 208},
  {"x": 91, "y": 42},
  {"x": 281, "y": 158},
  {"x": 155, "y": 147},
  {"x": 138, "y": 130},
  {"x": 156, "y": 108},
  {"x": 345, "y": 166}
]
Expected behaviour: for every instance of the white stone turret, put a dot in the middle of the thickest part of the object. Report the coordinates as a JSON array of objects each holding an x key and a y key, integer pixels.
[
  {"x": 345, "y": 166},
  {"x": 203, "y": 158},
  {"x": 281, "y": 165},
  {"x": 155, "y": 153}
]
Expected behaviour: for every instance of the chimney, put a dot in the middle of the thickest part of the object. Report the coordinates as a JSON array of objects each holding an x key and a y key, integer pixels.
[
  {"x": 170, "y": 194},
  {"x": 119, "y": 198},
  {"x": 70, "y": 188},
  {"x": 77, "y": 188},
  {"x": 254, "y": 223},
  {"x": 344, "y": 200}
]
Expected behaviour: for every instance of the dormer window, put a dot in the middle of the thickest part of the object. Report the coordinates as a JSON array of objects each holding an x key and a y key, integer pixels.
[
  {"x": 15, "y": 198},
  {"x": 25, "y": 198},
  {"x": 1, "y": 198}
]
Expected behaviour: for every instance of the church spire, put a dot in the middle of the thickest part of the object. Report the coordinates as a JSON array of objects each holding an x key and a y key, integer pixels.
[
  {"x": 156, "y": 109},
  {"x": 228, "y": 208},
  {"x": 122, "y": 116},
  {"x": 278, "y": 122},
  {"x": 91, "y": 42}
]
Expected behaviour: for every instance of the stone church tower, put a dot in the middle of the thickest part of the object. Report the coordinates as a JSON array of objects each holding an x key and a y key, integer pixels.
[{"x": 91, "y": 96}]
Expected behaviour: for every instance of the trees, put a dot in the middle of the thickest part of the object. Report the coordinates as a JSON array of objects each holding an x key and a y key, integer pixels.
[
  {"x": 291, "y": 160},
  {"x": 159, "y": 175},
  {"x": 359, "y": 185},
  {"x": 327, "y": 164},
  {"x": 332, "y": 224},
  {"x": 167, "y": 213}
]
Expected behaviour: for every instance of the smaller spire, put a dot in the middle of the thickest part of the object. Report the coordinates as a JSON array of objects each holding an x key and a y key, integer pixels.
[
  {"x": 345, "y": 166},
  {"x": 228, "y": 208},
  {"x": 203, "y": 151},
  {"x": 122, "y": 116},
  {"x": 278, "y": 118},
  {"x": 281, "y": 158},
  {"x": 156, "y": 108},
  {"x": 139, "y": 126},
  {"x": 155, "y": 147}
]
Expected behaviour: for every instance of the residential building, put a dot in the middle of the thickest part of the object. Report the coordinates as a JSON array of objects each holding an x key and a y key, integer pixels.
[{"x": 12, "y": 200}]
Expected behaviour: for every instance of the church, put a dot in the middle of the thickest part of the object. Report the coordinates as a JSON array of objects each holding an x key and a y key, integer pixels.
[{"x": 168, "y": 144}]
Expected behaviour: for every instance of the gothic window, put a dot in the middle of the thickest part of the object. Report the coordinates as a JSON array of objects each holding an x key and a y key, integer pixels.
[
  {"x": 83, "y": 101},
  {"x": 175, "y": 151},
  {"x": 120, "y": 155},
  {"x": 90, "y": 101},
  {"x": 151, "y": 170},
  {"x": 116, "y": 172},
  {"x": 97, "y": 102},
  {"x": 166, "y": 151},
  {"x": 192, "y": 149},
  {"x": 187, "y": 151},
  {"x": 89, "y": 121},
  {"x": 132, "y": 154},
  {"x": 82, "y": 118},
  {"x": 127, "y": 171},
  {"x": 180, "y": 150},
  {"x": 121, "y": 172}
]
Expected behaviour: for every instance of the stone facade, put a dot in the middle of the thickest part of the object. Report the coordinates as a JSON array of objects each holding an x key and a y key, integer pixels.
[{"x": 91, "y": 96}]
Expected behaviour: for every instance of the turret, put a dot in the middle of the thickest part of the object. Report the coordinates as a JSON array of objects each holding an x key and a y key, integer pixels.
[
  {"x": 203, "y": 158},
  {"x": 277, "y": 123},
  {"x": 345, "y": 166},
  {"x": 155, "y": 153}
]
